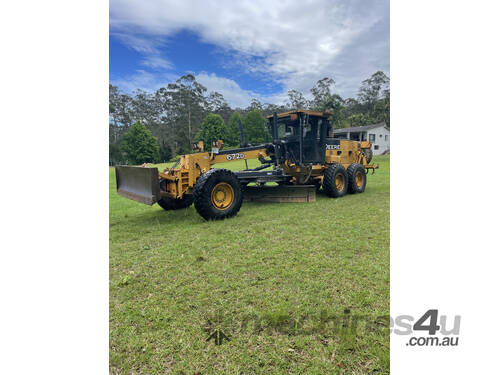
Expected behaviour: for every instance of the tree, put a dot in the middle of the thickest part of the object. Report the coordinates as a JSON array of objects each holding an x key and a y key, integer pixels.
[
  {"x": 360, "y": 119},
  {"x": 120, "y": 107},
  {"x": 269, "y": 109},
  {"x": 321, "y": 93},
  {"x": 297, "y": 100},
  {"x": 334, "y": 104},
  {"x": 233, "y": 130},
  {"x": 173, "y": 114},
  {"x": 212, "y": 129},
  {"x": 166, "y": 131},
  {"x": 145, "y": 109},
  {"x": 388, "y": 108},
  {"x": 372, "y": 88},
  {"x": 254, "y": 127},
  {"x": 115, "y": 155},
  {"x": 120, "y": 113},
  {"x": 255, "y": 104},
  {"x": 215, "y": 103},
  {"x": 165, "y": 151},
  {"x": 381, "y": 111},
  {"x": 189, "y": 103},
  {"x": 139, "y": 145}
]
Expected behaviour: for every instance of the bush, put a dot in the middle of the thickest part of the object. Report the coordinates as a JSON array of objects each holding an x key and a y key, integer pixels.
[
  {"x": 165, "y": 152},
  {"x": 254, "y": 127},
  {"x": 115, "y": 154},
  {"x": 212, "y": 129},
  {"x": 233, "y": 131},
  {"x": 139, "y": 145}
]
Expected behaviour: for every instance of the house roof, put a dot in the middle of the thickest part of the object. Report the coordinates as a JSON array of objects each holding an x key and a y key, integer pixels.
[
  {"x": 359, "y": 128},
  {"x": 310, "y": 113}
]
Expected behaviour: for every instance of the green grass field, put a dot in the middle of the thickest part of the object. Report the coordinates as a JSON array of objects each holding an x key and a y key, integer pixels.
[{"x": 280, "y": 280}]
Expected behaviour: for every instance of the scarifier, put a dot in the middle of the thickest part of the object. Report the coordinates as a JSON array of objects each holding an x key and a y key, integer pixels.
[{"x": 302, "y": 158}]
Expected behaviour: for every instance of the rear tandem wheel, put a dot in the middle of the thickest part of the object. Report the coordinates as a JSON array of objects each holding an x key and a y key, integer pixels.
[
  {"x": 335, "y": 181},
  {"x": 356, "y": 175}
]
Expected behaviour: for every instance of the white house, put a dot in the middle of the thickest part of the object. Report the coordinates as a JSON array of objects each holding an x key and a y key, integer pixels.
[{"x": 378, "y": 134}]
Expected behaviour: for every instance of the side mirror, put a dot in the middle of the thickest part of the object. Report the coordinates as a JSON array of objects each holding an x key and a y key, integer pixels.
[
  {"x": 198, "y": 146},
  {"x": 218, "y": 144}
]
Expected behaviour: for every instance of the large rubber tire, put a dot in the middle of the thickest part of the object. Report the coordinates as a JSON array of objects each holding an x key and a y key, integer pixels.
[
  {"x": 356, "y": 175},
  {"x": 335, "y": 181},
  {"x": 211, "y": 185},
  {"x": 176, "y": 204},
  {"x": 369, "y": 154}
]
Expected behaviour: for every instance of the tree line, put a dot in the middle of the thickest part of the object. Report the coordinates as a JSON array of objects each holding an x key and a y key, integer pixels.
[{"x": 156, "y": 126}]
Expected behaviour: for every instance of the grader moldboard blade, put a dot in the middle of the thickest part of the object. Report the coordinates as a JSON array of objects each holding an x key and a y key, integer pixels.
[
  {"x": 281, "y": 194},
  {"x": 140, "y": 184}
]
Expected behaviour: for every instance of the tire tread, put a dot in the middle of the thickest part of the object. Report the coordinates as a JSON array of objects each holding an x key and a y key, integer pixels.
[
  {"x": 329, "y": 181},
  {"x": 202, "y": 194},
  {"x": 351, "y": 173}
]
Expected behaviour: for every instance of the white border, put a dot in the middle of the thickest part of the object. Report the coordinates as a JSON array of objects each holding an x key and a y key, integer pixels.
[
  {"x": 444, "y": 179},
  {"x": 444, "y": 206},
  {"x": 54, "y": 251}
]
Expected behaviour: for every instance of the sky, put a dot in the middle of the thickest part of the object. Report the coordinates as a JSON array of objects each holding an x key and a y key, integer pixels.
[{"x": 248, "y": 49}]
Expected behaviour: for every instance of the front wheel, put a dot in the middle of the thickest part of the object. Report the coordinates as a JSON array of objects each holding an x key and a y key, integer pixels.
[
  {"x": 335, "y": 181},
  {"x": 217, "y": 194}
]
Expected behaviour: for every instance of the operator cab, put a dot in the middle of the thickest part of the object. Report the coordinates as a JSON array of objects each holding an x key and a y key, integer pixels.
[{"x": 301, "y": 135}]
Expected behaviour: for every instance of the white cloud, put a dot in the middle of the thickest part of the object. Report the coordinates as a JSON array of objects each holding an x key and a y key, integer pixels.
[
  {"x": 295, "y": 42},
  {"x": 157, "y": 62},
  {"x": 143, "y": 80},
  {"x": 232, "y": 92},
  {"x": 149, "y": 46},
  {"x": 139, "y": 43}
]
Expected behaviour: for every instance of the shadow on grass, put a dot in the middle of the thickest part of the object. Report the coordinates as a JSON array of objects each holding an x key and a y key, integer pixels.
[
  {"x": 156, "y": 216},
  {"x": 153, "y": 214}
]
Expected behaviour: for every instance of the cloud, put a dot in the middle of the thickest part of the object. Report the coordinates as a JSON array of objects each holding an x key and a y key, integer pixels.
[
  {"x": 294, "y": 43},
  {"x": 157, "y": 62},
  {"x": 232, "y": 92},
  {"x": 143, "y": 80},
  {"x": 149, "y": 47},
  {"x": 140, "y": 43}
]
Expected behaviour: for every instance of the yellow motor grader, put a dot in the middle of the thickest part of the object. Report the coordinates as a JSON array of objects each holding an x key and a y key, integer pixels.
[{"x": 303, "y": 152}]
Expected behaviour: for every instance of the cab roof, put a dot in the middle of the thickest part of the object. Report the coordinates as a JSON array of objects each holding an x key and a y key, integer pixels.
[{"x": 297, "y": 111}]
